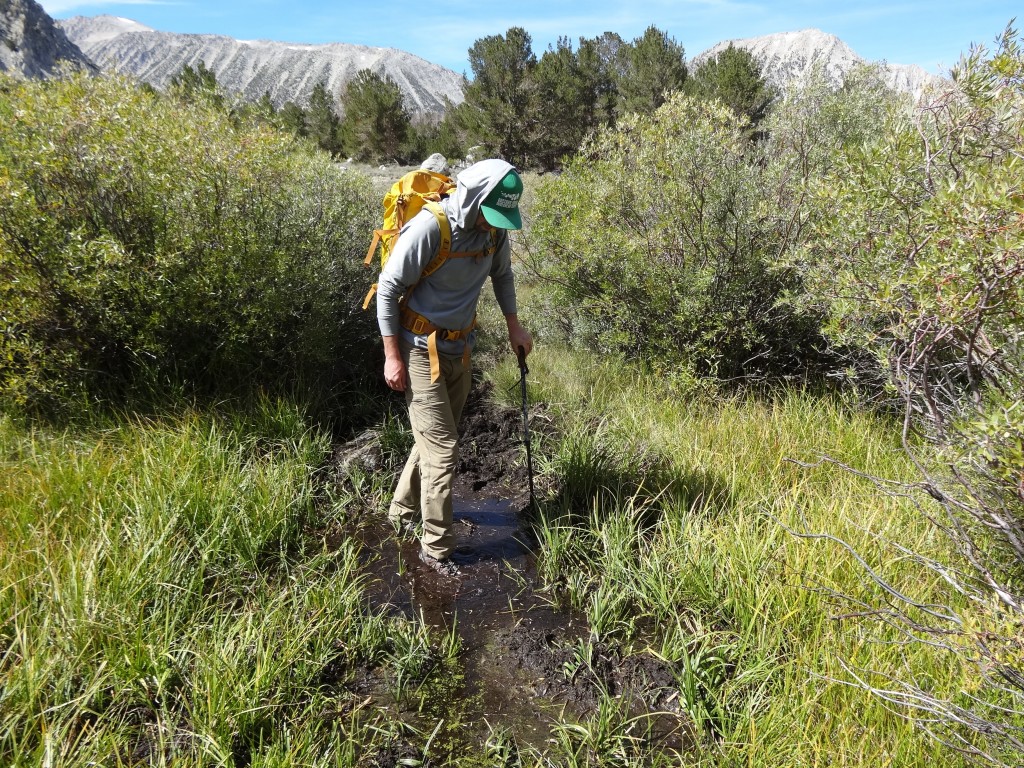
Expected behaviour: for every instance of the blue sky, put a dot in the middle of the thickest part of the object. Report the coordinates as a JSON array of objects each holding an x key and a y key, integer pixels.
[{"x": 931, "y": 34}]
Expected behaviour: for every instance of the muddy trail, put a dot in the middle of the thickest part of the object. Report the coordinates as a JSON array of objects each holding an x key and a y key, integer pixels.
[{"x": 525, "y": 664}]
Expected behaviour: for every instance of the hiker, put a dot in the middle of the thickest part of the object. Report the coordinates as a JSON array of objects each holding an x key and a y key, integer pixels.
[{"x": 428, "y": 336}]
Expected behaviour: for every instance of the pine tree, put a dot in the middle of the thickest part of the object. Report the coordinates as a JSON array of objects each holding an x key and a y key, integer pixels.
[
  {"x": 652, "y": 66},
  {"x": 567, "y": 93},
  {"x": 377, "y": 124},
  {"x": 322, "y": 121},
  {"x": 499, "y": 99},
  {"x": 291, "y": 117},
  {"x": 262, "y": 110},
  {"x": 197, "y": 84},
  {"x": 600, "y": 59},
  {"x": 734, "y": 77}
]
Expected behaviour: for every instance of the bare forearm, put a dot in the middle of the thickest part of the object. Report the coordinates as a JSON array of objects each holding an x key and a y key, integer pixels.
[{"x": 391, "y": 348}]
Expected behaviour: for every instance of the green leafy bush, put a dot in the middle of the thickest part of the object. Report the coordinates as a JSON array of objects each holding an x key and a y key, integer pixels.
[
  {"x": 919, "y": 261},
  {"x": 141, "y": 236},
  {"x": 660, "y": 241}
]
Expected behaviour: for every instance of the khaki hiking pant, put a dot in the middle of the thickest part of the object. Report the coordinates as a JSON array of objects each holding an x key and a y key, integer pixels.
[{"x": 426, "y": 482}]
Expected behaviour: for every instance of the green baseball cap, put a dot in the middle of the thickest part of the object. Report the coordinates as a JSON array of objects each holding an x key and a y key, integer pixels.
[{"x": 501, "y": 206}]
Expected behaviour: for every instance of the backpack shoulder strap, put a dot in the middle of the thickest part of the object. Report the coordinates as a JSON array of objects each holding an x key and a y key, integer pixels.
[
  {"x": 445, "y": 251},
  {"x": 446, "y": 239}
]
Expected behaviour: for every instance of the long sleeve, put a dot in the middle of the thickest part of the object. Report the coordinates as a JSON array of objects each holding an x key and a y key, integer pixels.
[
  {"x": 502, "y": 278},
  {"x": 416, "y": 246}
]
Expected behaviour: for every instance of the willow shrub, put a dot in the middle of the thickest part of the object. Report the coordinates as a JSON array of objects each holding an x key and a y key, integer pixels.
[
  {"x": 145, "y": 237},
  {"x": 660, "y": 242},
  {"x": 921, "y": 264}
]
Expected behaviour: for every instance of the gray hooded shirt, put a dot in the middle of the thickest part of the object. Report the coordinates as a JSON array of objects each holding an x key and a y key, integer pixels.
[{"x": 449, "y": 296}]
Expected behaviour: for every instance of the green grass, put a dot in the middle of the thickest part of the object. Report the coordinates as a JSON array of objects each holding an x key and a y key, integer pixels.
[
  {"x": 166, "y": 598},
  {"x": 668, "y": 529}
]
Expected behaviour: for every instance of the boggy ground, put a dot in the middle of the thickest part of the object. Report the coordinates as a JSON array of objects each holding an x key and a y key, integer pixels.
[{"x": 524, "y": 663}]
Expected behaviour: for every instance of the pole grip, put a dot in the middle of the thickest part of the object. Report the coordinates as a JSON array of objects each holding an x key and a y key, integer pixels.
[{"x": 521, "y": 354}]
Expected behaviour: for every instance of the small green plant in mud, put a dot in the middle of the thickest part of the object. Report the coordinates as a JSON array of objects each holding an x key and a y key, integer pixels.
[
  {"x": 560, "y": 583},
  {"x": 501, "y": 749},
  {"x": 423, "y": 662},
  {"x": 611, "y": 736},
  {"x": 702, "y": 673},
  {"x": 609, "y": 613},
  {"x": 441, "y": 713},
  {"x": 428, "y": 695},
  {"x": 582, "y": 660}
]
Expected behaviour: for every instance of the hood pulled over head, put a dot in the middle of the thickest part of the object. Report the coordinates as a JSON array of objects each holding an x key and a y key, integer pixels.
[{"x": 474, "y": 185}]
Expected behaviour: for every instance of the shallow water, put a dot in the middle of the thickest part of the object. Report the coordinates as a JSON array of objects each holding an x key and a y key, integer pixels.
[
  {"x": 494, "y": 593},
  {"x": 524, "y": 666}
]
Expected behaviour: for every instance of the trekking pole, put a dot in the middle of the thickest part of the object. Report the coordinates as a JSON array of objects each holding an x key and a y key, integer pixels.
[{"x": 523, "y": 370}]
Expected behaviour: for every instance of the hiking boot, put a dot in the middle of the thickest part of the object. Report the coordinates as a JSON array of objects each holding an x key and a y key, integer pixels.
[{"x": 445, "y": 567}]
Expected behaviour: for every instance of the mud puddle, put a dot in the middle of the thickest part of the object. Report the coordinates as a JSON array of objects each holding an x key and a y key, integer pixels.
[
  {"x": 524, "y": 665},
  {"x": 492, "y": 600}
]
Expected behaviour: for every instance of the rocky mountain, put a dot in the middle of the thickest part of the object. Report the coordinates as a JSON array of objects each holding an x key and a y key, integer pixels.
[
  {"x": 285, "y": 71},
  {"x": 290, "y": 71},
  {"x": 31, "y": 44},
  {"x": 790, "y": 57}
]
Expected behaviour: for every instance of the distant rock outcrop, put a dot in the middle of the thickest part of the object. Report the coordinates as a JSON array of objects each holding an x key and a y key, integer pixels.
[
  {"x": 32, "y": 45},
  {"x": 252, "y": 68},
  {"x": 790, "y": 57}
]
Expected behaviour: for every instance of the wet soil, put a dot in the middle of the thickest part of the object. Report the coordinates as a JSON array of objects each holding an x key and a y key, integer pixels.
[{"x": 525, "y": 664}]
